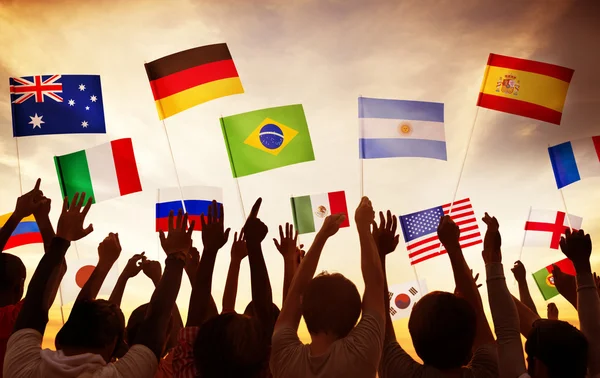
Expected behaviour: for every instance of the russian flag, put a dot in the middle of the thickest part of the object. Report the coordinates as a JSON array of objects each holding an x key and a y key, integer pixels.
[
  {"x": 575, "y": 160},
  {"x": 196, "y": 199},
  {"x": 27, "y": 232}
]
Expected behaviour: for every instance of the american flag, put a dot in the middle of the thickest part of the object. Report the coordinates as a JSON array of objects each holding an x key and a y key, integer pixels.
[{"x": 420, "y": 229}]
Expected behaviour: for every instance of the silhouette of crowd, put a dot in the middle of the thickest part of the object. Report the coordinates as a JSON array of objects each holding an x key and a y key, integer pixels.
[{"x": 351, "y": 335}]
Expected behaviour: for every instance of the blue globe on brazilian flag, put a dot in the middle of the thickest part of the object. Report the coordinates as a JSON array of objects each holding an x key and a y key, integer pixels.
[{"x": 265, "y": 139}]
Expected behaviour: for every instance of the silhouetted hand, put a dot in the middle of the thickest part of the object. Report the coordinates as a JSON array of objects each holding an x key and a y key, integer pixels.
[
  {"x": 179, "y": 238},
  {"x": 331, "y": 224},
  {"x": 385, "y": 234},
  {"x": 300, "y": 253},
  {"x": 448, "y": 233},
  {"x": 134, "y": 265},
  {"x": 475, "y": 278},
  {"x": 70, "y": 223},
  {"x": 214, "y": 235},
  {"x": 43, "y": 207},
  {"x": 552, "y": 311},
  {"x": 255, "y": 230},
  {"x": 597, "y": 281},
  {"x": 29, "y": 202},
  {"x": 577, "y": 246},
  {"x": 565, "y": 284},
  {"x": 191, "y": 264},
  {"x": 364, "y": 214},
  {"x": 238, "y": 249},
  {"x": 288, "y": 242},
  {"x": 492, "y": 241},
  {"x": 519, "y": 271},
  {"x": 152, "y": 270},
  {"x": 109, "y": 249}
]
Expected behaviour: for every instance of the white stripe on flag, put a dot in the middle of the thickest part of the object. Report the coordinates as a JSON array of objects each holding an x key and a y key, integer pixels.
[
  {"x": 190, "y": 193},
  {"x": 586, "y": 157},
  {"x": 381, "y": 128},
  {"x": 317, "y": 200},
  {"x": 101, "y": 165}
]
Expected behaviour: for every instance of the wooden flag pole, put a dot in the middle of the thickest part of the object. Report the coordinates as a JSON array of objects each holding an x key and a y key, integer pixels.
[
  {"x": 237, "y": 183},
  {"x": 360, "y": 134},
  {"x": 524, "y": 235},
  {"x": 19, "y": 167},
  {"x": 174, "y": 166}
]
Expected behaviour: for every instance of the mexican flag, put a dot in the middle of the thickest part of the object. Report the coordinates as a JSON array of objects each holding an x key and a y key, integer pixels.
[
  {"x": 545, "y": 281},
  {"x": 310, "y": 211},
  {"x": 103, "y": 172},
  {"x": 266, "y": 139}
]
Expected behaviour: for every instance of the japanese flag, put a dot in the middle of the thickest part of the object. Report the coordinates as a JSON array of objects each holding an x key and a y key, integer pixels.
[
  {"x": 404, "y": 296},
  {"x": 78, "y": 273}
]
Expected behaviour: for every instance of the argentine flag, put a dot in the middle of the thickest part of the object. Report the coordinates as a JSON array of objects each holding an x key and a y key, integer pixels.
[{"x": 398, "y": 128}]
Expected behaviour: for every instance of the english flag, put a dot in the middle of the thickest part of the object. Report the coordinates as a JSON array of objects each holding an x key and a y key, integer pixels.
[{"x": 544, "y": 228}]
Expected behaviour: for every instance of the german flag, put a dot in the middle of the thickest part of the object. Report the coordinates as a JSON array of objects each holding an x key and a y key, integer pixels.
[
  {"x": 188, "y": 78},
  {"x": 525, "y": 87}
]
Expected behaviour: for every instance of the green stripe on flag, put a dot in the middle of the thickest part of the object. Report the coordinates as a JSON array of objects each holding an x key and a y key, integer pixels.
[
  {"x": 540, "y": 278},
  {"x": 74, "y": 174},
  {"x": 303, "y": 216}
]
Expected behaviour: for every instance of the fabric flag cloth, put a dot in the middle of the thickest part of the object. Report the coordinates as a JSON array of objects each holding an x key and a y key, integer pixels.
[
  {"x": 309, "y": 212},
  {"x": 188, "y": 78},
  {"x": 266, "y": 139},
  {"x": 575, "y": 160},
  {"x": 544, "y": 228},
  {"x": 77, "y": 274},
  {"x": 398, "y": 128},
  {"x": 196, "y": 199},
  {"x": 420, "y": 229},
  {"x": 525, "y": 87},
  {"x": 105, "y": 171},
  {"x": 56, "y": 104},
  {"x": 27, "y": 232},
  {"x": 404, "y": 296},
  {"x": 545, "y": 281}
]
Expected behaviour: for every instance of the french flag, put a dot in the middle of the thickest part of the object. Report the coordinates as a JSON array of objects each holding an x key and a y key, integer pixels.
[
  {"x": 575, "y": 160},
  {"x": 196, "y": 199}
]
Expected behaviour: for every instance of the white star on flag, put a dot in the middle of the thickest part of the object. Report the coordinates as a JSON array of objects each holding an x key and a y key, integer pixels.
[
  {"x": 87, "y": 108},
  {"x": 93, "y": 98},
  {"x": 81, "y": 87},
  {"x": 71, "y": 102},
  {"x": 36, "y": 121},
  {"x": 84, "y": 124}
]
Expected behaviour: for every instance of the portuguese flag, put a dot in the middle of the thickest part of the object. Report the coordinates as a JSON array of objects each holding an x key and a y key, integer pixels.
[
  {"x": 188, "y": 78},
  {"x": 310, "y": 211},
  {"x": 545, "y": 281}
]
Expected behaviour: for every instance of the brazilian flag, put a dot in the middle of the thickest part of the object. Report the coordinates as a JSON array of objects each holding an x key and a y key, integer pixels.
[{"x": 266, "y": 139}]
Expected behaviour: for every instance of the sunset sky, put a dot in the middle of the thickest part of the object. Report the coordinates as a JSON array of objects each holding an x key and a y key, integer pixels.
[{"x": 322, "y": 54}]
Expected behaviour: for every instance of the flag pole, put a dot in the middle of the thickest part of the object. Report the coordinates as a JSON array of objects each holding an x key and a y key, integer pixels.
[
  {"x": 237, "y": 183},
  {"x": 174, "y": 166},
  {"x": 157, "y": 234},
  {"x": 524, "y": 235},
  {"x": 62, "y": 314},
  {"x": 19, "y": 167},
  {"x": 566, "y": 210},
  {"x": 360, "y": 131}
]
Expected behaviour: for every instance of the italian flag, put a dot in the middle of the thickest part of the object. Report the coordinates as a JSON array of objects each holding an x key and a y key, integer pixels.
[
  {"x": 102, "y": 172},
  {"x": 310, "y": 211}
]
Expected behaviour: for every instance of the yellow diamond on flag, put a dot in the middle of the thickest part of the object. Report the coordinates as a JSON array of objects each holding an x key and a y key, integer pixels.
[{"x": 271, "y": 136}]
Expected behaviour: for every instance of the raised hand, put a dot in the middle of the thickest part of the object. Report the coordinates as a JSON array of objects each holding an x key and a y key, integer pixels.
[
  {"x": 152, "y": 270},
  {"x": 475, "y": 278},
  {"x": 70, "y": 223},
  {"x": 385, "y": 234},
  {"x": 519, "y": 271},
  {"x": 287, "y": 245},
  {"x": 255, "y": 230},
  {"x": 300, "y": 253},
  {"x": 448, "y": 232},
  {"x": 134, "y": 265},
  {"x": 364, "y": 214},
  {"x": 331, "y": 224},
  {"x": 29, "y": 202},
  {"x": 577, "y": 246},
  {"x": 552, "y": 311},
  {"x": 43, "y": 207},
  {"x": 597, "y": 281},
  {"x": 214, "y": 235},
  {"x": 565, "y": 284},
  {"x": 109, "y": 249},
  {"x": 238, "y": 249},
  {"x": 179, "y": 238},
  {"x": 492, "y": 241},
  {"x": 191, "y": 264}
]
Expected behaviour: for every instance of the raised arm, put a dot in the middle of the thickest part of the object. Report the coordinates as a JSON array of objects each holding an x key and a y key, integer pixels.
[
  {"x": 26, "y": 205},
  {"x": 133, "y": 267},
  {"x": 526, "y": 317},
  {"x": 262, "y": 296},
  {"x": 449, "y": 235},
  {"x": 176, "y": 245},
  {"x": 521, "y": 277},
  {"x": 288, "y": 247},
  {"x": 577, "y": 246},
  {"x": 214, "y": 237},
  {"x": 504, "y": 313},
  {"x": 238, "y": 253},
  {"x": 552, "y": 311},
  {"x": 109, "y": 251},
  {"x": 34, "y": 313},
  {"x": 291, "y": 311},
  {"x": 566, "y": 285}
]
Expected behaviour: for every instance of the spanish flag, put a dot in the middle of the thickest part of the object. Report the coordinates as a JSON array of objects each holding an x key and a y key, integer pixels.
[
  {"x": 525, "y": 87},
  {"x": 188, "y": 78}
]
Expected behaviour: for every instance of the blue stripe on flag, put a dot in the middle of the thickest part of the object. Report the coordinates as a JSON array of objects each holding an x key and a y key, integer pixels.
[
  {"x": 393, "y": 147},
  {"x": 25, "y": 228},
  {"x": 400, "y": 109},
  {"x": 193, "y": 207},
  {"x": 564, "y": 164}
]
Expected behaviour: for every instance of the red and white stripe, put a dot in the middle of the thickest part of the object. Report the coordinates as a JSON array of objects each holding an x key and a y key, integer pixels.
[
  {"x": 429, "y": 246},
  {"x": 38, "y": 88}
]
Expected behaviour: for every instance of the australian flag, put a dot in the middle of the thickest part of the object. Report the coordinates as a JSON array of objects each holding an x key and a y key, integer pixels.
[{"x": 56, "y": 104}]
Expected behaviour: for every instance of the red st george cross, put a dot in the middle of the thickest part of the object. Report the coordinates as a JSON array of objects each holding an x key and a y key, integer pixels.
[
  {"x": 557, "y": 228},
  {"x": 38, "y": 88}
]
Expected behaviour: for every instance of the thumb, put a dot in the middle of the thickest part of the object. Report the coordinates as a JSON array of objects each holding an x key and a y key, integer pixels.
[
  {"x": 161, "y": 236},
  {"x": 88, "y": 230},
  {"x": 276, "y": 243}
]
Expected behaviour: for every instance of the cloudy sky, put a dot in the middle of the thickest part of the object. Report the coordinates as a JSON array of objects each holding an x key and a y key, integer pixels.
[{"x": 322, "y": 54}]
